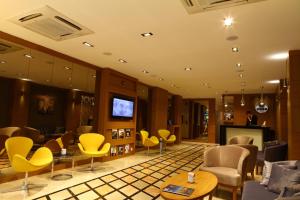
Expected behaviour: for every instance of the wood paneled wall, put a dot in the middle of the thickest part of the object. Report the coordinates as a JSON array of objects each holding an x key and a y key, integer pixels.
[
  {"x": 251, "y": 100},
  {"x": 177, "y": 115},
  {"x": 212, "y": 136},
  {"x": 20, "y": 103},
  {"x": 6, "y": 93},
  {"x": 294, "y": 105},
  {"x": 281, "y": 114},
  {"x": 159, "y": 109}
]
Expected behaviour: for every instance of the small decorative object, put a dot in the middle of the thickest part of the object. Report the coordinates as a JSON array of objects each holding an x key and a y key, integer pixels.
[
  {"x": 127, "y": 132},
  {"x": 191, "y": 177},
  {"x": 63, "y": 152},
  {"x": 121, "y": 133},
  {"x": 114, "y": 134},
  {"x": 127, "y": 148},
  {"x": 120, "y": 150}
]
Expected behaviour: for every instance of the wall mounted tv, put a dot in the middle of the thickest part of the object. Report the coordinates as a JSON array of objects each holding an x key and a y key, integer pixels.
[{"x": 122, "y": 107}]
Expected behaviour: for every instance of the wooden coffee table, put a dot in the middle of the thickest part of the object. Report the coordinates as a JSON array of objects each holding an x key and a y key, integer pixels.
[{"x": 205, "y": 184}]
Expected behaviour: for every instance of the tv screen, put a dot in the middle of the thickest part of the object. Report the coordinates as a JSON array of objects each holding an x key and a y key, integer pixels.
[{"x": 122, "y": 108}]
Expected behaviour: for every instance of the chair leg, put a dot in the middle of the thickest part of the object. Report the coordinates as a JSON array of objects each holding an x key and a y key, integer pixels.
[
  {"x": 234, "y": 193},
  {"x": 92, "y": 163},
  {"x": 25, "y": 184}
]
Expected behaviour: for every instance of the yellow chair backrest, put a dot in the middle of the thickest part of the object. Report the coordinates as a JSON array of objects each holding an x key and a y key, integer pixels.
[
  {"x": 144, "y": 135},
  {"x": 18, "y": 145},
  {"x": 163, "y": 133},
  {"x": 91, "y": 141}
]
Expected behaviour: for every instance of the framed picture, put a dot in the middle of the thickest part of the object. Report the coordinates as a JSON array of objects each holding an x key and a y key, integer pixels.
[{"x": 45, "y": 104}]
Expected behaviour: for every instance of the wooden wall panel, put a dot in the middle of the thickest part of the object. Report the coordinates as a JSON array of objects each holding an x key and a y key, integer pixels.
[
  {"x": 251, "y": 99},
  {"x": 281, "y": 114},
  {"x": 6, "y": 93},
  {"x": 177, "y": 115},
  {"x": 159, "y": 110},
  {"x": 212, "y": 136},
  {"x": 20, "y": 103},
  {"x": 294, "y": 105}
]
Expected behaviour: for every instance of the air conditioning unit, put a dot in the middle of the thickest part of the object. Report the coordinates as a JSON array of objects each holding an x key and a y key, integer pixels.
[
  {"x": 196, "y": 6},
  {"x": 50, "y": 23},
  {"x": 6, "y": 47}
]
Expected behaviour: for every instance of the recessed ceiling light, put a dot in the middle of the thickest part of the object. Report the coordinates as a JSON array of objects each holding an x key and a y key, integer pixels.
[
  {"x": 172, "y": 85},
  {"x": 28, "y": 56},
  {"x": 274, "y": 81},
  {"x": 161, "y": 79},
  {"x": 68, "y": 68},
  {"x": 188, "y": 69},
  {"x": 279, "y": 56},
  {"x": 228, "y": 21},
  {"x": 145, "y": 72},
  {"x": 25, "y": 79},
  {"x": 241, "y": 75},
  {"x": 147, "y": 34},
  {"x": 122, "y": 61},
  {"x": 238, "y": 65},
  {"x": 107, "y": 53},
  {"x": 2, "y": 62},
  {"x": 88, "y": 44},
  {"x": 235, "y": 49}
]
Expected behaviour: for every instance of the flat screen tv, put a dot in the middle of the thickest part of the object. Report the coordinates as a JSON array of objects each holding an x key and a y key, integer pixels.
[{"x": 122, "y": 108}]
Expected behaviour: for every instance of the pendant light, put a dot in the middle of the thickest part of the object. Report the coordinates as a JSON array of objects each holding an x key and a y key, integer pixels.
[
  {"x": 242, "y": 99},
  {"x": 261, "y": 100}
]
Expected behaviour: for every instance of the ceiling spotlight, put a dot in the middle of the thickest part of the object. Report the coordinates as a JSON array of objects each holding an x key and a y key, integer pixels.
[
  {"x": 25, "y": 79},
  {"x": 2, "y": 62},
  {"x": 228, "y": 21},
  {"x": 147, "y": 34},
  {"x": 241, "y": 75},
  {"x": 279, "y": 56},
  {"x": 238, "y": 65},
  {"x": 122, "y": 61},
  {"x": 28, "y": 56},
  {"x": 68, "y": 68},
  {"x": 274, "y": 81},
  {"x": 88, "y": 44},
  {"x": 235, "y": 49},
  {"x": 188, "y": 69},
  {"x": 161, "y": 79},
  {"x": 145, "y": 72}
]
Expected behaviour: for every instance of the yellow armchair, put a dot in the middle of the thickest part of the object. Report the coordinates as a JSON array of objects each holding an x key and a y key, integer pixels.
[
  {"x": 17, "y": 149},
  {"x": 90, "y": 144},
  {"x": 148, "y": 142},
  {"x": 166, "y": 136}
]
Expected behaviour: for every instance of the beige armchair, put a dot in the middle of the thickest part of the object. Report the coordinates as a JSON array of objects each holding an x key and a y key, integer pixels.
[
  {"x": 241, "y": 139},
  {"x": 252, "y": 157},
  {"x": 229, "y": 164},
  {"x": 10, "y": 131}
]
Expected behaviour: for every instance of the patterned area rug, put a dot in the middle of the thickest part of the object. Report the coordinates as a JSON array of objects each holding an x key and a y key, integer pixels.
[{"x": 139, "y": 182}]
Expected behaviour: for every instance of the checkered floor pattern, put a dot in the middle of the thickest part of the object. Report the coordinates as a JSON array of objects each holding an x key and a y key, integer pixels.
[{"x": 139, "y": 182}]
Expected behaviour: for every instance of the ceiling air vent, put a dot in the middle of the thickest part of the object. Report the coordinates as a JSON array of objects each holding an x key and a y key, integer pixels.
[
  {"x": 5, "y": 47},
  {"x": 195, "y": 6},
  {"x": 50, "y": 23}
]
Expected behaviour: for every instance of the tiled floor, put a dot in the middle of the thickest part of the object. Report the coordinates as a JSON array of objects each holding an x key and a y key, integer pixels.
[{"x": 135, "y": 177}]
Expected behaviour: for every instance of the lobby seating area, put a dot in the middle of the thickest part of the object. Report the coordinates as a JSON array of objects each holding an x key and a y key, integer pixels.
[{"x": 150, "y": 100}]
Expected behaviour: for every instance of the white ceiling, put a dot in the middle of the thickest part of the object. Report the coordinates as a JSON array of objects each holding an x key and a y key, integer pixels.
[{"x": 180, "y": 40}]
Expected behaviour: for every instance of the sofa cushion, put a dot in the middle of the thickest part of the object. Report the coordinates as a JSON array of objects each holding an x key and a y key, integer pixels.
[
  {"x": 290, "y": 164},
  {"x": 282, "y": 177},
  {"x": 225, "y": 175},
  {"x": 255, "y": 191}
]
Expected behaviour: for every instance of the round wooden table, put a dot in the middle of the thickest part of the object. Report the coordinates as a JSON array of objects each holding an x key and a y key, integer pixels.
[{"x": 205, "y": 184}]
